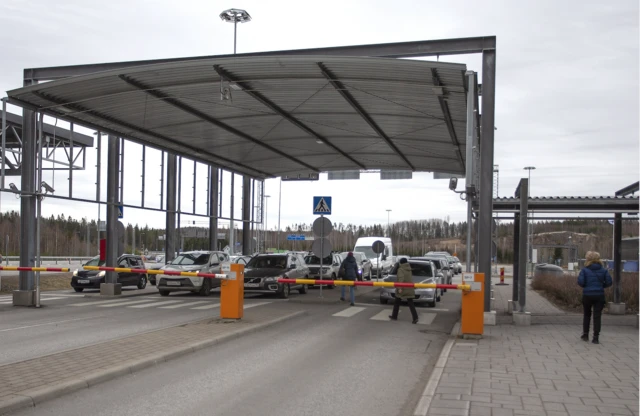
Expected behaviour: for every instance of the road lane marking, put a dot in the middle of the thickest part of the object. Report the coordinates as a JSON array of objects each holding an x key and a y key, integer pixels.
[
  {"x": 425, "y": 318},
  {"x": 349, "y": 312},
  {"x": 202, "y": 308},
  {"x": 49, "y": 323},
  {"x": 253, "y": 305},
  {"x": 183, "y": 305},
  {"x": 102, "y": 302},
  {"x": 382, "y": 315},
  {"x": 153, "y": 304},
  {"x": 125, "y": 303}
]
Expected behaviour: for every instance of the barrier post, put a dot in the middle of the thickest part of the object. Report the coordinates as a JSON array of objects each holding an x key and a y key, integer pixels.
[
  {"x": 502, "y": 283},
  {"x": 473, "y": 306},
  {"x": 232, "y": 292}
]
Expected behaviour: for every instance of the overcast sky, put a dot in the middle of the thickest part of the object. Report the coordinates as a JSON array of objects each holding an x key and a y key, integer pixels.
[{"x": 567, "y": 87}]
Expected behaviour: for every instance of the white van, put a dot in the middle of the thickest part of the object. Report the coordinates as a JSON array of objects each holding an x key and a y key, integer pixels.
[{"x": 364, "y": 244}]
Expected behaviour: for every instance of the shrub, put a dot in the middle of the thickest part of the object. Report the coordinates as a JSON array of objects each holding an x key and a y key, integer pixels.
[{"x": 565, "y": 290}]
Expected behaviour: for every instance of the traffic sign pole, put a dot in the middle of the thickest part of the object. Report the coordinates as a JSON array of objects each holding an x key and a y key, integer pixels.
[{"x": 321, "y": 249}]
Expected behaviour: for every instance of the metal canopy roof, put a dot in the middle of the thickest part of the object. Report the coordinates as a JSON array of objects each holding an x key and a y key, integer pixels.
[
  {"x": 602, "y": 204},
  {"x": 284, "y": 115},
  {"x": 14, "y": 133}
]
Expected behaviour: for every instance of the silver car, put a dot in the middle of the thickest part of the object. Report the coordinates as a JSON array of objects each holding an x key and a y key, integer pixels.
[
  {"x": 364, "y": 264},
  {"x": 192, "y": 261},
  {"x": 423, "y": 271},
  {"x": 330, "y": 267}
]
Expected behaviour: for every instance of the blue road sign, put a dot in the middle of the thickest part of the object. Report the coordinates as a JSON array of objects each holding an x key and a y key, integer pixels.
[
  {"x": 120, "y": 211},
  {"x": 322, "y": 205},
  {"x": 294, "y": 237}
]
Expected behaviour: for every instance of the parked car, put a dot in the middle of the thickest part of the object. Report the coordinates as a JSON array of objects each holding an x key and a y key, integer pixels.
[
  {"x": 192, "y": 261},
  {"x": 423, "y": 271},
  {"x": 263, "y": 271},
  {"x": 330, "y": 267},
  {"x": 240, "y": 259},
  {"x": 91, "y": 279},
  {"x": 447, "y": 266},
  {"x": 364, "y": 264},
  {"x": 458, "y": 264},
  {"x": 442, "y": 269}
]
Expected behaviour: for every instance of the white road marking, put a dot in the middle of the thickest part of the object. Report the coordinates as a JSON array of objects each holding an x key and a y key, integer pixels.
[
  {"x": 253, "y": 305},
  {"x": 202, "y": 308},
  {"x": 48, "y": 323},
  {"x": 349, "y": 312},
  {"x": 425, "y": 318},
  {"x": 382, "y": 315},
  {"x": 125, "y": 303},
  {"x": 182, "y": 305},
  {"x": 154, "y": 304},
  {"x": 52, "y": 298},
  {"x": 102, "y": 302}
]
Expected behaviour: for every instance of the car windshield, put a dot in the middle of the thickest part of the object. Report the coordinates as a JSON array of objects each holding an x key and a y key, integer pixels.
[
  {"x": 368, "y": 251},
  {"x": 419, "y": 272},
  {"x": 316, "y": 260},
  {"x": 191, "y": 259},
  {"x": 95, "y": 262},
  {"x": 268, "y": 262}
]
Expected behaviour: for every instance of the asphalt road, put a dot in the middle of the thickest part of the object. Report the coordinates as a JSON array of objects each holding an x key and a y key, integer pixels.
[{"x": 354, "y": 363}]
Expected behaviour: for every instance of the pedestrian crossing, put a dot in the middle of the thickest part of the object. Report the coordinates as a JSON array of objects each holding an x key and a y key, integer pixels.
[{"x": 424, "y": 318}]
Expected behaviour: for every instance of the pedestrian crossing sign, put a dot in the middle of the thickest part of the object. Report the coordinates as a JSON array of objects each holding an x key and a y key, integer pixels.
[{"x": 322, "y": 205}]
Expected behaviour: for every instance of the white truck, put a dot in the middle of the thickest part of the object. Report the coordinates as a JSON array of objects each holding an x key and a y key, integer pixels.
[{"x": 386, "y": 258}]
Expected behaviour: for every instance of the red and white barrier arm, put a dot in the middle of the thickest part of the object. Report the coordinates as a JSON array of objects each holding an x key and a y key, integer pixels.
[
  {"x": 374, "y": 284},
  {"x": 156, "y": 271},
  {"x": 35, "y": 269}
]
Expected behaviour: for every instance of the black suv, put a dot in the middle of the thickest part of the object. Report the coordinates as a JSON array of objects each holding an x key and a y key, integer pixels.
[
  {"x": 91, "y": 279},
  {"x": 262, "y": 272}
]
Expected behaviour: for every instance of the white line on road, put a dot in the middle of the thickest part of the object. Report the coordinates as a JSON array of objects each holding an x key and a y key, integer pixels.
[
  {"x": 349, "y": 312},
  {"x": 382, "y": 315},
  {"x": 49, "y": 323},
  {"x": 253, "y": 305},
  {"x": 182, "y": 305},
  {"x": 202, "y": 308},
  {"x": 102, "y": 302},
  {"x": 152, "y": 304},
  {"x": 125, "y": 303}
]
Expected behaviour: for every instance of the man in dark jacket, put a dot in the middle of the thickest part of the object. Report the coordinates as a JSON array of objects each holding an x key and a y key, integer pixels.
[
  {"x": 593, "y": 279},
  {"x": 350, "y": 269}
]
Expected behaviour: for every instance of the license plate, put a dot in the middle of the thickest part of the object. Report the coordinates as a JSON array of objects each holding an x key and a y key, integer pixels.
[
  {"x": 84, "y": 281},
  {"x": 252, "y": 285},
  {"x": 170, "y": 283}
]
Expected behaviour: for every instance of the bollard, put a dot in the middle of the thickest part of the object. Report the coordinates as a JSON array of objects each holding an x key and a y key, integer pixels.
[
  {"x": 472, "y": 322},
  {"x": 502, "y": 283},
  {"x": 232, "y": 293}
]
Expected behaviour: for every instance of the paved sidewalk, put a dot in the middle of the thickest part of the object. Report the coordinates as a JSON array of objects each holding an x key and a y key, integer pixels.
[{"x": 28, "y": 383}]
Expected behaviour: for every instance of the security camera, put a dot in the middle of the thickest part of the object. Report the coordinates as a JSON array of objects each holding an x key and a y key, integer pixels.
[
  {"x": 453, "y": 183},
  {"x": 47, "y": 187},
  {"x": 14, "y": 189}
]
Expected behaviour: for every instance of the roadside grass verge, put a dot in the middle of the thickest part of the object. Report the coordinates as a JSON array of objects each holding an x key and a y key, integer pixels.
[
  {"x": 57, "y": 281},
  {"x": 565, "y": 292}
]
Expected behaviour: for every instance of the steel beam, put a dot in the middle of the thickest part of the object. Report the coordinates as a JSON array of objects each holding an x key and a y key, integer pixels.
[
  {"x": 246, "y": 215},
  {"x": 132, "y": 129},
  {"x": 211, "y": 120},
  {"x": 444, "y": 106},
  {"x": 232, "y": 214},
  {"x": 617, "y": 258},
  {"x": 628, "y": 190},
  {"x": 170, "y": 227},
  {"x": 350, "y": 99},
  {"x": 439, "y": 47},
  {"x": 28, "y": 200},
  {"x": 213, "y": 208},
  {"x": 471, "y": 81},
  {"x": 4, "y": 141},
  {"x": 113, "y": 160},
  {"x": 486, "y": 170},
  {"x": 516, "y": 256},
  {"x": 522, "y": 249}
]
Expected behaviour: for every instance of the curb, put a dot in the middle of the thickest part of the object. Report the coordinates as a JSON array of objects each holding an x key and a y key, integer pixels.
[
  {"x": 42, "y": 394},
  {"x": 422, "y": 408}
]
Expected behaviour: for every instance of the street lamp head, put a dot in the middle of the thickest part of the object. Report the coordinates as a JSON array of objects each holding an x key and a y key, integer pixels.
[
  {"x": 235, "y": 16},
  {"x": 529, "y": 168}
]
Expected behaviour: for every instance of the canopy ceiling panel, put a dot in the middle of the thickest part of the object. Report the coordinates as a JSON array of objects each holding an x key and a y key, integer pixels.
[{"x": 266, "y": 116}]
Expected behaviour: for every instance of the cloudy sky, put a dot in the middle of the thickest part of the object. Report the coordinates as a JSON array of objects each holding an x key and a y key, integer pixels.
[{"x": 567, "y": 87}]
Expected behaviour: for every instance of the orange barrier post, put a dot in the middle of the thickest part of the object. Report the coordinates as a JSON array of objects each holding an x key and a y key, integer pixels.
[
  {"x": 232, "y": 293},
  {"x": 502, "y": 283},
  {"x": 473, "y": 306}
]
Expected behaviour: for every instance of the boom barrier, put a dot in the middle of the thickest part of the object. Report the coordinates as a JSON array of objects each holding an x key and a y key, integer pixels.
[
  {"x": 374, "y": 284},
  {"x": 35, "y": 269},
  {"x": 156, "y": 271}
]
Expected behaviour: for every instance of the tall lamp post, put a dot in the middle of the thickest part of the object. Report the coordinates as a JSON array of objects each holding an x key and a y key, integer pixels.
[
  {"x": 530, "y": 239},
  {"x": 235, "y": 16},
  {"x": 388, "y": 224},
  {"x": 266, "y": 219}
]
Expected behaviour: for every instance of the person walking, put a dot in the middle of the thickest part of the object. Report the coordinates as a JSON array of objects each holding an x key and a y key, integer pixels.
[
  {"x": 593, "y": 279},
  {"x": 349, "y": 268},
  {"x": 406, "y": 293}
]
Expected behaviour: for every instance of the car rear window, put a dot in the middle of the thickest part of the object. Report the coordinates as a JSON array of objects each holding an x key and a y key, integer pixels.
[
  {"x": 268, "y": 262},
  {"x": 190, "y": 259}
]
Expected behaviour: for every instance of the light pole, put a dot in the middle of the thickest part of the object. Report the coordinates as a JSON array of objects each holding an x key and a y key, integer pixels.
[
  {"x": 279, "y": 207},
  {"x": 530, "y": 239},
  {"x": 388, "y": 224},
  {"x": 234, "y": 16},
  {"x": 266, "y": 219}
]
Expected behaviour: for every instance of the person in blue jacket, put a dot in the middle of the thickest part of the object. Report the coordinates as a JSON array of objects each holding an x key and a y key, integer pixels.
[
  {"x": 350, "y": 269},
  {"x": 593, "y": 279}
]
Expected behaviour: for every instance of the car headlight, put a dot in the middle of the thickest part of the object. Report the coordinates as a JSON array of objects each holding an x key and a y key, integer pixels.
[
  {"x": 271, "y": 279},
  {"x": 75, "y": 273},
  {"x": 359, "y": 271},
  {"x": 102, "y": 273}
]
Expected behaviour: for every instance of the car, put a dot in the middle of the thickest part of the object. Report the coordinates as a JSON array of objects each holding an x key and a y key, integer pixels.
[
  {"x": 364, "y": 264},
  {"x": 263, "y": 271},
  {"x": 91, "y": 279},
  {"x": 240, "y": 259},
  {"x": 458, "y": 264},
  {"x": 387, "y": 259},
  {"x": 192, "y": 261},
  {"x": 330, "y": 267},
  {"x": 447, "y": 267},
  {"x": 153, "y": 265},
  {"x": 442, "y": 269},
  {"x": 423, "y": 271}
]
